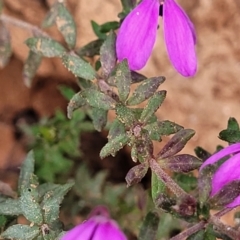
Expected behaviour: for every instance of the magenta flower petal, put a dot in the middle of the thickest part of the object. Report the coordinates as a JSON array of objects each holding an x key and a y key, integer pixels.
[
  {"x": 109, "y": 231},
  {"x": 234, "y": 203},
  {"x": 82, "y": 231},
  {"x": 226, "y": 173},
  {"x": 180, "y": 38},
  {"x": 99, "y": 226},
  {"x": 234, "y": 148},
  {"x": 137, "y": 34}
]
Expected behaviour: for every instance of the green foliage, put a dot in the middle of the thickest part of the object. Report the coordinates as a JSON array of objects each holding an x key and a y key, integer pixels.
[
  {"x": 232, "y": 133},
  {"x": 39, "y": 204},
  {"x": 46, "y": 47},
  {"x": 149, "y": 227}
]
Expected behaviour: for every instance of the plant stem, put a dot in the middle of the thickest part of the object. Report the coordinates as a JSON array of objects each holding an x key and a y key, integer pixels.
[
  {"x": 36, "y": 31},
  {"x": 173, "y": 186},
  {"x": 188, "y": 232}
]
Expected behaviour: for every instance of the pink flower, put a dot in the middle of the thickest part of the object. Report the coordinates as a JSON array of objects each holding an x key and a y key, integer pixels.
[
  {"x": 137, "y": 36},
  {"x": 99, "y": 226},
  {"x": 227, "y": 173}
]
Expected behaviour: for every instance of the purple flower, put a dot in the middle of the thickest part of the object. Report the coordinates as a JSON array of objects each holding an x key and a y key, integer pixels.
[
  {"x": 228, "y": 172},
  {"x": 137, "y": 36},
  {"x": 99, "y": 226}
]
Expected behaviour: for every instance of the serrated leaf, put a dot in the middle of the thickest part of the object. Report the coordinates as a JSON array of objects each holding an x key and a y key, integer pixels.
[
  {"x": 108, "y": 54},
  {"x": 176, "y": 143},
  {"x": 98, "y": 99},
  {"x": 46, "y": 47},
  {"x": 91, "y": 49},
  {"x": 66, "y": 25},
  {"x": 30, "y": 206},
  {"x": 123, "y": 80},
  {"x": 149, "y": 227},
  {"x": 52, "y": 200},
  {"x": 230, "y": 136},
  {"x": 152, "y": 106},
  {"x": 187, "y": 182},
  {"x": 5, "y": 45},
  {"x": 45, "y": 187},
  {"x": 145, "y": 90},
  {"x": 163, "y": 128},
  {"x": 76, "y": 102},
  {"x": 26, "y": 173},
  {"x": 78, "y": 66},
  {"x": 30, "y": 67},
  {"x": 21, "y": 232},
  {"x": 99, "y": 117},
  {"x": 157, "y": 186},
  {"x": 50, "y": 18},
  {"x": 10, "y": 207},
  {"x": 117, "y": 128},
  {"x": 114, "y": 145}
]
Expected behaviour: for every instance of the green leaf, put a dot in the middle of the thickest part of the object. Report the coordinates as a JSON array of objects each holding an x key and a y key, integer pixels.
[
  {"x": 30, "y": 67},
  {"x": 152, "y": 106},
  {"x": 123, "y": 80},
  {"x": 230, "y": 136},
  {"x": 52, "y": 200},
  {"x": 3, "y": 221},
  {"x": 125, "y": 115},
  {"x": 197, "y": 236},
  {"x": 145, "y": 90},
  {"x": 109, "y": 26},
  {"x": 176, "y": 143},
  {"x": 26, "y": 173},
  {"x": 117, "y": 128},
  {"x": 108, "y": 54},
  {"x": 98, "y": 99},
  {"x": 10, "y": 207},
  {"x": 66, "y": 91},
  {"x": 157, "y": 186},
  {"x": 99, "y": 117},
  {"x": 21, "y": 232},
  {"x": 91, "y": 49},
  {"x": 46, "y": 47},
  {"x": 78, "y": 66},
  {"x": 202, "y": 153},
  {"x": 232, "y": 124},
  {"x": 30, "y": 206},
  {"x": 50, "y": 18},
  {"x": 114, "y": 145},
  {"x": 158, "y": 129},
  {"x": 149, "y": 227},
  {"x": 186, "y": 181},
  {"x": 66, "y": 25},
  {"x": 5, "y": 45},
  {"x": 76, "y": 102},
  {"x": 97, "y": 30}
]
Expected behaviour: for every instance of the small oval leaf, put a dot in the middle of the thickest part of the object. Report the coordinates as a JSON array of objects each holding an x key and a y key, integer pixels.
[
  {"x": 78, "y": 66},
  {"x": 47, "y": 47}
]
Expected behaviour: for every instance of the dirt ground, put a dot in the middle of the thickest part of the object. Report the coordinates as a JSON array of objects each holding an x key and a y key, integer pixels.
[{"x": 203, "y": 103}]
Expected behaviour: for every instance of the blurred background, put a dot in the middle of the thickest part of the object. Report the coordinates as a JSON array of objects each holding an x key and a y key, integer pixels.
[{"x": 203, "y": 103}]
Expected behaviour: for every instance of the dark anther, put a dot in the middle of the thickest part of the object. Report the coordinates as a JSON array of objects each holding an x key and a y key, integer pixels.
[{"x": 161, "y": 10}]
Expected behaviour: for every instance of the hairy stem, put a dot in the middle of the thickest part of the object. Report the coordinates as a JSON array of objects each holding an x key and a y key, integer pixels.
[
  {"x": 173, "y": 186},
  {"x": 188, "y": 232},
  {"x": 36, "y": 31}
]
